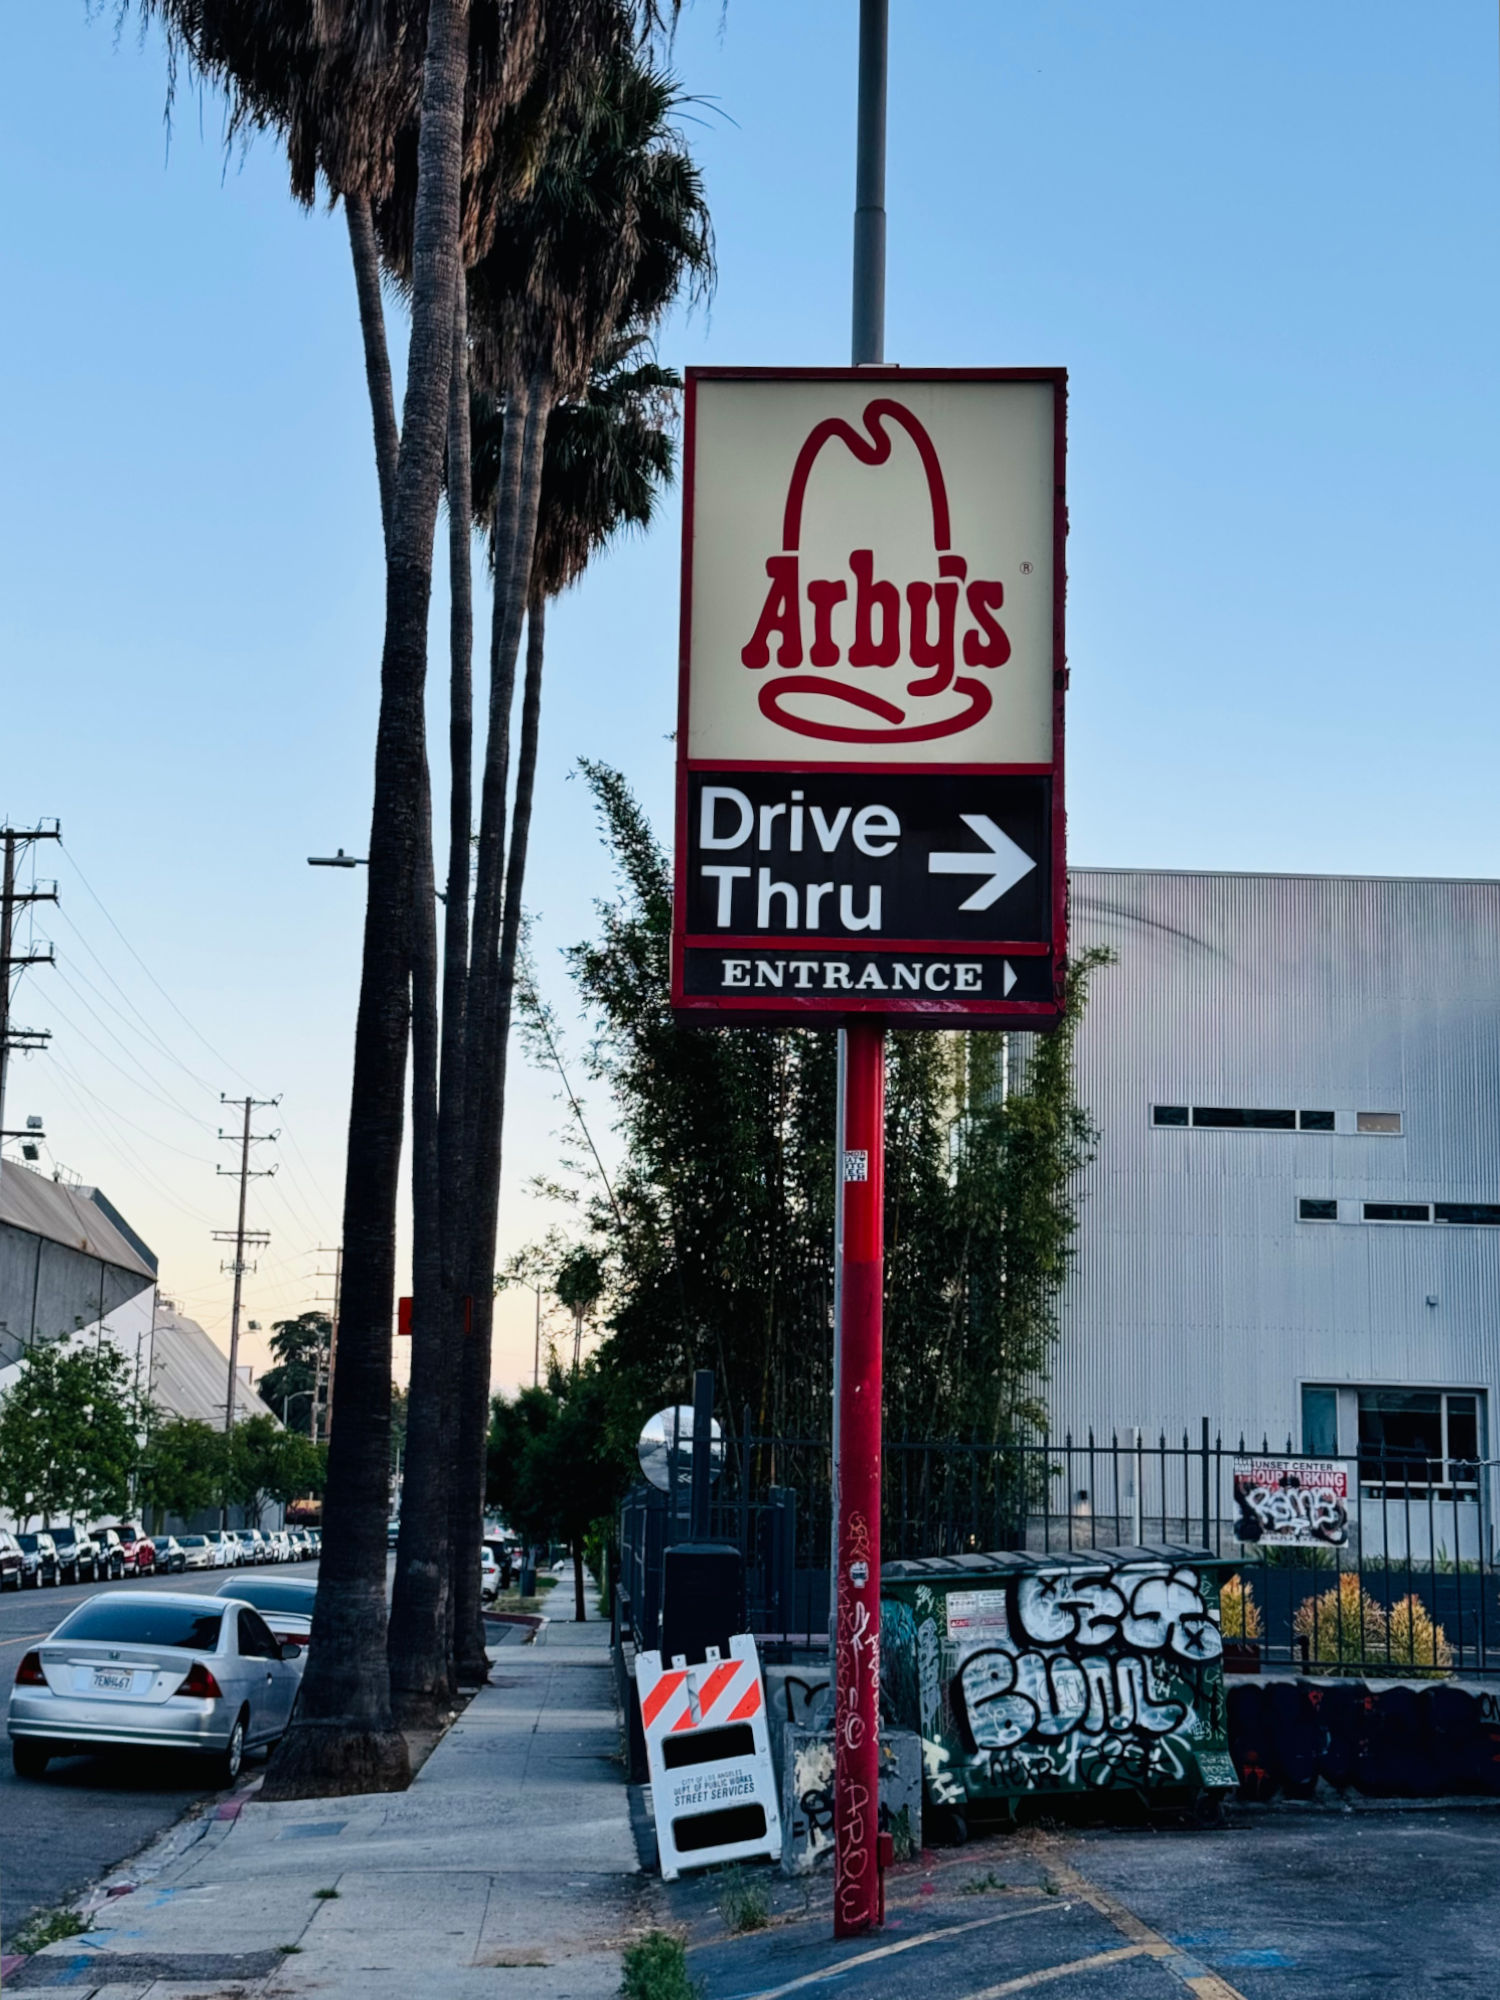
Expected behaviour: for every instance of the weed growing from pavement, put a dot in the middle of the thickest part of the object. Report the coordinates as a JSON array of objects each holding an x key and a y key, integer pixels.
[
  {"x": 48, "y": 1927},
  {"x": 289, "y": 1950},
  {"x": 326, "y": 1895},
  {"x": 744, "y": 1903},
  {"x": 982, "y": 1885},
  {"x": 655, "y": 1968}
]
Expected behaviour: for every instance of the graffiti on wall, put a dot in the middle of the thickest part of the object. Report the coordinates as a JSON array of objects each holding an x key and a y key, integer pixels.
[
  {"x": 1062, "y": 1681},
  {"x": 1291, "y": 1502}
]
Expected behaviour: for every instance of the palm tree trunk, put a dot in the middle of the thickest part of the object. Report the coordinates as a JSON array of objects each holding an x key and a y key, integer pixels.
[
  {"x": 344, "y": 1738},
  {"x": 579, "y": 1614},
  {"x": 366, "y": 257},
  {"x": 489, "y": 1028},
  {"x": 420, "y": 1637}
]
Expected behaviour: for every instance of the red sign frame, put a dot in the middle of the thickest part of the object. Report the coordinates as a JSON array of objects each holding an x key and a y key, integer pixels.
[{"x": 755, "y": 1009}]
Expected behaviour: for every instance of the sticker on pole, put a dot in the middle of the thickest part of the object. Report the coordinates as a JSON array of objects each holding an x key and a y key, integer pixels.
[
  {"x": 870, "y": 728},
  {"x": 713, "y": 1790}
]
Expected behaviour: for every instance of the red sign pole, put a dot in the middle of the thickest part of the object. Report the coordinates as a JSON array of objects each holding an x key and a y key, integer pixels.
[{"x": 857, "y": 1899}]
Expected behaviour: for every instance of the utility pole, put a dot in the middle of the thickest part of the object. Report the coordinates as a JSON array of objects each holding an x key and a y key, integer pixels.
[
  {"x": 859, "y": 1246},
  {"x": 15, "y": 841},
  {"x": 240, "y": 1236},
  {"x": 336, "y": 1252}
]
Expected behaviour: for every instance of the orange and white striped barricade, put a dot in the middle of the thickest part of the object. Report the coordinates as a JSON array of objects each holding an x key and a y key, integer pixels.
[{"x": 713, "y": 1790}]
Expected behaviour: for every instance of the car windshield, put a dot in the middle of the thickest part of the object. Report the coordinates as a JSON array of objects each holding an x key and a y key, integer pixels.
[
  {"x": 191, "y": 1541},
  {"x": 266, "y": 1594},
  {"x": 157, "y": 1622},
  {"x": 31, "y": 1543}
]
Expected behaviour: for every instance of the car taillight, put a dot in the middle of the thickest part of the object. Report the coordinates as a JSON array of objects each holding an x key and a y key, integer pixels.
[
  {"x": 200, "y": 1684},
  {"x": 29, "y": 1674}
]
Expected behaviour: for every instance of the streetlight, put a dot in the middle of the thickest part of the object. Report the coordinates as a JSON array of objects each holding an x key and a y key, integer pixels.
[
  {"x": 343, "y": 860},
  {"x": 287, "y": 1402}
]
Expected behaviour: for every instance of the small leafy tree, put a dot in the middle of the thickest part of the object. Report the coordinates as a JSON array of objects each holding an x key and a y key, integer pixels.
[
  {"x": 268, "y": 1463},
  {"x": 69, "y": 1434},
  {"x": 1418, "y": 1645},
  {"x": 182, "y": 1471}
]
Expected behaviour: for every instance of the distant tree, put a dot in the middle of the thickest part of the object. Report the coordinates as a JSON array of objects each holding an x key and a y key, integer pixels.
[
  {"x": 182, "y": 1471},
  {"x": 291, "y": 1386},
  {"x": 268, "y": 1463},
  {"x": 560, "y": 1457},
  {"x": 69, "y": 1434}
]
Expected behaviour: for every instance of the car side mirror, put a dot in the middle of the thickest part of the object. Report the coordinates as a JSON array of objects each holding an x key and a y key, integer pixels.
[{"x": 291, "y": 1650}]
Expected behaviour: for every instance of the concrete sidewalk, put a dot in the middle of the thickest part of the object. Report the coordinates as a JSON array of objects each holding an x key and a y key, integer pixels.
[{"x": 508, "y": 1867}]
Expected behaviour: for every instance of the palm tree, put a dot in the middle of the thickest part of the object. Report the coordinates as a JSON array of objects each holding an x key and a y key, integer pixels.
[{"x": 396, "y": 106}]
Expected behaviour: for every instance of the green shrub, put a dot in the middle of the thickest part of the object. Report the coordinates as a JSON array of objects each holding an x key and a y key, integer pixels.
[{"x": 655, "y": 1968}]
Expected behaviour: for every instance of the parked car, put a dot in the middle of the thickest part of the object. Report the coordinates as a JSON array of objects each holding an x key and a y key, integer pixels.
[
  {"x": 171, "y": 1556},
  {"x": 164, "y": 1671},
  {"x": 285, "y": 1602},
  {"x": 78, "y": 1555},
  {"x": 111, "y": 1552},
  {"x": 225, "y": 1548},
  {"x": 198, "y": 1552},
  {"x": 12, "y": 1562},
  {"x": 392, "y": 1533},
  {"x": 138, "y": 1548},
  {"x": 40, "y": 1553},
  {"x": 280, "y": 1545},
  {"x": 489, "y": 1574},
  {"x": 257, "y": 1549}
]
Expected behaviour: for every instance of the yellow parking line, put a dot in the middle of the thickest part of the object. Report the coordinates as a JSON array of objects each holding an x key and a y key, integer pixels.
[
  {"x": 1029, "y": 1979},
  {"x": 890, "y": 1950},
  {"x": 1204, "y": 1985}
]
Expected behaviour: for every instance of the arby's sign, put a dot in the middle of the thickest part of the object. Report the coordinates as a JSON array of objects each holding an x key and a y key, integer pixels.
[{"x": 870, "y": 812}]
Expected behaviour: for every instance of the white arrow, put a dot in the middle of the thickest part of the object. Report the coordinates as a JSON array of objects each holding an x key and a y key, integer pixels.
[{"x": 1004, "y": 863}]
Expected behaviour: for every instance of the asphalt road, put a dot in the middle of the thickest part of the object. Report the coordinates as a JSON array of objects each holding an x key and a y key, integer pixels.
[
  {"x": 87, "y": 1813},
  {"x": 1318, "y": 1906}
]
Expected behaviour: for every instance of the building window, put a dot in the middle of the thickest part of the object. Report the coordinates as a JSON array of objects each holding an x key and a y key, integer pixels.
[
  {"x": 1317, "y": 1211},
  {"x": 1315, "y": 1121},
  {"x": 1419, "y": 1443},
  {"x": 1473, "y": 1212},
  {"x": 1228, "y": 1118},
  {"x": 1378, "y": 1121},
  {"x": 1169, "y": 1114},
  {"x": 1320, "y": 1422},
  {"x": 1398, "y": 1211}
]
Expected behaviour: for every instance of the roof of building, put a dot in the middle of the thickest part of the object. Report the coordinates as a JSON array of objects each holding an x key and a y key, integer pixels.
[
  {"x": 189, "y": 1372},
  {"x": 78, "y": 1217}
]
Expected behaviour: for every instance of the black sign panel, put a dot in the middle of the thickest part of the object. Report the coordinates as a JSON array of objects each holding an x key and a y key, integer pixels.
[
  {"x": 776, "y": 974},
  {"x": 866, "y": 859}
]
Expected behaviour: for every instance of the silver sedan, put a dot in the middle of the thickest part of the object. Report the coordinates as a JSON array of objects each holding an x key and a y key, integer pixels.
[{"x": 166, "y": 1672}]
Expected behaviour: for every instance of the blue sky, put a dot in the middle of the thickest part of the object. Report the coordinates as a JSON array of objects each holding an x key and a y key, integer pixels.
[{"x": 1262, "y": 241}]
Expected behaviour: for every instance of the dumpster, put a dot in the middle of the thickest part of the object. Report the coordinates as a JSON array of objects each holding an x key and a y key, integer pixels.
[{"x": 1031, "y": 1676}]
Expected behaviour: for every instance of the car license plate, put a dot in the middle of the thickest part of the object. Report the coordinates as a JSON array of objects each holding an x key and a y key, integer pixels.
[{"x": 111, "y": 1681}]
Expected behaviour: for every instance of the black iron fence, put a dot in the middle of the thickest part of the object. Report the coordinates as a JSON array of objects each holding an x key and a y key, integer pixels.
[{"x": 1380, "y": 1562}]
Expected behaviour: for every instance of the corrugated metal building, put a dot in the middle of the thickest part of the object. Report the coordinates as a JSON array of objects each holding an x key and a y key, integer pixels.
[{"x": 1292, "y": 1226}]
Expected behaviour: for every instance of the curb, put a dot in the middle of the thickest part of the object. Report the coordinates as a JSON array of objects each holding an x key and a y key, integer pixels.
[{"x": 535, "y": 1622}]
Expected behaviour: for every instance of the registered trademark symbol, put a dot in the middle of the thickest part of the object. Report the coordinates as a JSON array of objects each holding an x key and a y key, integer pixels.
[{"x": 1026, "y": 569}]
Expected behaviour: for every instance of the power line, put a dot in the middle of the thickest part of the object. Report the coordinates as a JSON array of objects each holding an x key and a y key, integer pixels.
[{"x": 73, "y": 860}]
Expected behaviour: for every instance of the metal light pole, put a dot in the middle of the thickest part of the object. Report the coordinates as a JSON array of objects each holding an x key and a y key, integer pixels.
[{"x": 858, "y": 1903}]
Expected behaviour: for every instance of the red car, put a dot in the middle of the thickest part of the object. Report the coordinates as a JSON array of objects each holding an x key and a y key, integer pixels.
[{"x": 138, "y": 1549}]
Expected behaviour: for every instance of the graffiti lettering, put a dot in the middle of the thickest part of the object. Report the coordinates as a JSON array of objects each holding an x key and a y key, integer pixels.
[{"x": 1098, "y": 1686}]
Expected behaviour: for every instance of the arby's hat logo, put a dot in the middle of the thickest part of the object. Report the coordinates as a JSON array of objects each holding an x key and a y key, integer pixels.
[{"x": 862, "y": 657}]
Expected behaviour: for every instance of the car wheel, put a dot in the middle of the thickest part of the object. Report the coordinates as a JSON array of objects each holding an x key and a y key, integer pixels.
[
  {"x": 28, "y": 1757},
  {"x": 226, "y": 1762}
]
